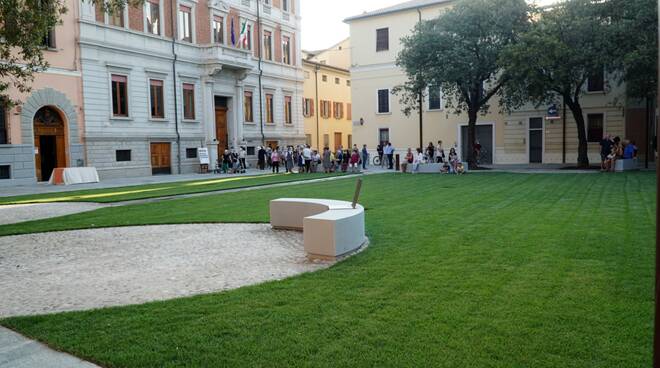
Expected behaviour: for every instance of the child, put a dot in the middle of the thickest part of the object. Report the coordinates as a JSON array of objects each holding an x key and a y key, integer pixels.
[{"x": 355, "y": 161}]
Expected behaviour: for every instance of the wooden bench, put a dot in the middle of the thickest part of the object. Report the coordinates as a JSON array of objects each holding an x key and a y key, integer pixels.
[{"x": 330, "y": 228}]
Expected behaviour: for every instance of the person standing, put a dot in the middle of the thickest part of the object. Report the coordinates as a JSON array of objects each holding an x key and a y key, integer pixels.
[
  {"x": 440, "y": 153},
  {"x": 418, "y": 159},
  {"x": 289, "y": 159},
  {"x": 365, "y": 157},
  {"x": 226, "y": 160},
  {"x": 379, "y": 150},
  {"x": 275, "y": 160},
  {"x": 307, "y": 156},
  {"x": 269, "y": 153},
  {"x": 355, "y": 161},
  {"x": 327, "y": 158},
  {"x": 261, "y": 158},
  {"x": 389, "y": 152},
  {"x": 430, "y": 152},
  {"x": 242, "y": 155}
]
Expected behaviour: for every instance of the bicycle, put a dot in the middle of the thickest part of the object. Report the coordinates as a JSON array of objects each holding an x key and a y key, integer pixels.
[{"x": 377, "y": 160}]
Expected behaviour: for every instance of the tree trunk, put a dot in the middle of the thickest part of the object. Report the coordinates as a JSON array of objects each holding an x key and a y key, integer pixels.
[
  {"x": 583, "y": 147},
  {"x": 472, "y": 136}
]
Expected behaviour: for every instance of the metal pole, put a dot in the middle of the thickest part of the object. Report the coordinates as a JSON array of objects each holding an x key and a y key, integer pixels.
[
  {"x": 656, "y": 333},
  {"x": 318, "y": 108},
  {"x": 261, "y": 74},
  {"x": 563, "y": 133}
]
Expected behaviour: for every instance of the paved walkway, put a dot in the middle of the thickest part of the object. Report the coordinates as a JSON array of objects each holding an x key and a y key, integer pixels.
[
  {"x": 17, "y": 351},
  {"x": 15, "y": 213}
]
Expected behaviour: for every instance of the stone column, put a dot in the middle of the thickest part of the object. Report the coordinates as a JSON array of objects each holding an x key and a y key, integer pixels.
[{"x": 237, "y": 135}]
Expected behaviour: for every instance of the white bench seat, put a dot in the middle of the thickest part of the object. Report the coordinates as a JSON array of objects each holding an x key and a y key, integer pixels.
[{"x": 330, "y": 228}]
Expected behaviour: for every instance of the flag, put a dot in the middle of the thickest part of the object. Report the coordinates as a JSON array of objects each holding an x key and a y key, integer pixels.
[
  {"x": 243, "y": 38},
  {"x": 233, "y": 34}
]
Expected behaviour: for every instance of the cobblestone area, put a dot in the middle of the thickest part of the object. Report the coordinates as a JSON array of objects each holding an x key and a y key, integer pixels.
[
  {"x": 11, "y": 214},
  {"x": 85, "y": 269}
]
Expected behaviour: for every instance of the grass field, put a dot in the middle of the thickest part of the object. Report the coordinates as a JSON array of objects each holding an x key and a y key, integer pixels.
[
  {"x": 119, "y": 194},
  {"x": 483, "y": 270}
]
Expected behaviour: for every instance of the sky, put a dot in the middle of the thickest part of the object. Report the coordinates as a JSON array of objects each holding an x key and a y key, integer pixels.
[{"x": 323, "y": 26}]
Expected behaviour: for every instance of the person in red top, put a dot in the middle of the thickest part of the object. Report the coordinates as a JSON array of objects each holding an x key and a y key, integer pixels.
[{"x": 355, "y": 161}]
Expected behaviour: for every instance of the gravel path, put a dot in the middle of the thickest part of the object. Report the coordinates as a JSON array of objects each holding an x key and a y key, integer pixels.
[
  {"x": 85, "y": 269},
  {"x": 14, "y": 213}
]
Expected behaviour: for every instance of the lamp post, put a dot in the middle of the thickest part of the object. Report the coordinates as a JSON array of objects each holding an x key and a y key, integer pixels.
[{"x": 656, "y": 333}]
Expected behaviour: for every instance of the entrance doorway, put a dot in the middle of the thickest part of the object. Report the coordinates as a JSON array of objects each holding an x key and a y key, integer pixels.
[
  {"x": 161, "y": 158},
  {"x": 536, "y": 140},
  {"x": 484, "y": 135},
  {"x": 49, "y": 142},
  {"x": 337, "y": 141}
]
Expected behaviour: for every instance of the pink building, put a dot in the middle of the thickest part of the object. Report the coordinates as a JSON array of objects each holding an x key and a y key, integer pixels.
[{"x": 46, "y": 130}]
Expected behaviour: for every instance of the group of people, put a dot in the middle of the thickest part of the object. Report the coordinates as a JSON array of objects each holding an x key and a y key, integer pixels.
[
  {"x": 232, "y": 161},
  {"x": 304, "y": 159},
  {"x": 613, "y": 149},
  {"x": 451, "y": 163}
]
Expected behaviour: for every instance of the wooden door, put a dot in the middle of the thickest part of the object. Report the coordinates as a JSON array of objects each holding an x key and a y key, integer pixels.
[
  {"x": 49, "y": 142},
  {"x": 337, "y": 141},
  {"x": 221, "y": 133},
  {"x": 161, "y": 158}
]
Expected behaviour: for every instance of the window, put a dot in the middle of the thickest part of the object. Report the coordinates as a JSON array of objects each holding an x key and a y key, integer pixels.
[
  {"x": 595, "y": 127},
  {"x": 324, "y": 78},
  {"x": 348, "y": 82},
  {"x": 191, "y": 153},
  {"x": 123, "y": 155},
  {"x": 337, "y": 81},
  {"x": 349, "y": 111},
  {"x": 382, "y": 39},
  {"x": 218, "y": 30},
  {"x": 285, "y": 5},
  {"x": 5, "y": 172},
  {"x": 308, "y": 107},
  {"x": 4, "y": 139},
  {"x": 153, "y": 16},
  {"x": 288, "y": 116},
  {"x": 383, "y": 136},
  {"x": 189, "y": 101},
  {"x": 286, "y": 50},
  {"x": 325, "y": 109},
  {"x": 245, "y": 41},
  {"x": 350, "y": 140},
  {"x": 250, "y": 151},
  {"x": 119, "y": 95},
  {"x": 383, "y": 101},
  {"x": 268, "y": 45},
  {"x": 247, "y": 107},
  {"x": 338, "y": 109},
  {"x": 116, "y": 18},
  {"x": 185, "y": 23},
  {"x": 596, "y": 82},
  {"x": 156, "y": 98},
  {"x": 49, "y": 39},
  {"x": 269, "y": 109},
  {"x": 435, "y": 100}
]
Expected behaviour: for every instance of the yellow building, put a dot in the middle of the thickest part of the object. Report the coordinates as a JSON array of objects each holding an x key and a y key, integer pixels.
[
  {"x": 327, "y": 100},
  {"x": 518, "y": 138}
]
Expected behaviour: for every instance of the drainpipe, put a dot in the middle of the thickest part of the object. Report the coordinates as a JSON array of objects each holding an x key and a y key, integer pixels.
[
  {"x": 318, "y": 108},
  {"x": 261, "y": 74},
  {"x": 176, "y": 103}
]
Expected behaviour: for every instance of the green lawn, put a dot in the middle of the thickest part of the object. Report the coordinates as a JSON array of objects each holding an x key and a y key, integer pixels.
[
  {"x": 482, "y": 270},
  {"x": 159, "y": 190}
]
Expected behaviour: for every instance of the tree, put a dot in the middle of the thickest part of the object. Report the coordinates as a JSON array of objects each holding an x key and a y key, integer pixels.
[
  {"x": 24, "y": 26},
  {"x": 460, "y": 52},
  {"x": 565, "y": 46}
]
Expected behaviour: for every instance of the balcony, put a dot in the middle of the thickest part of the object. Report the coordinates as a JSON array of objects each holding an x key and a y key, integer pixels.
[{"x": 228, "y": 57}]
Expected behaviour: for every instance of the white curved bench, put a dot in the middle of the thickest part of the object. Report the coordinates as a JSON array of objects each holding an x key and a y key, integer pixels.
[{"x": 330, "y": 228}]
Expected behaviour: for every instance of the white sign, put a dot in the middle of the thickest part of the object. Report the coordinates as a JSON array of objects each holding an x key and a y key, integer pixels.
[{"x": 203, "y": 154}]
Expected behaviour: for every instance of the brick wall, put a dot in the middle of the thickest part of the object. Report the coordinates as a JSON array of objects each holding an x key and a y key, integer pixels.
[
  {"x": 136, "y": 18},
  {"x": 203, "y": 22},
  {"x": 277, "y": 44},
  {"x": 169, "y": 27}
]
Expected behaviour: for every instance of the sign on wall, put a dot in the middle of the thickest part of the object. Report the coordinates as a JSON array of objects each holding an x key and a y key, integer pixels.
[
  {"x": 553, "y": 113},
  {"x": 203, "y": 154}
]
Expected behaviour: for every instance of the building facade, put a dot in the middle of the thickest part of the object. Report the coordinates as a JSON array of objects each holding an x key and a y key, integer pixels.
[
  {"x": 327, "y": 109},
  {"x": 166, "y": 78},
  {"x": 47, "y": 129},
  {"x": 522, "y": 137}
]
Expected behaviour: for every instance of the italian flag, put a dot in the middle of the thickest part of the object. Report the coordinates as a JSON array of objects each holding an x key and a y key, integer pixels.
[{"x": 243, "y": 37}]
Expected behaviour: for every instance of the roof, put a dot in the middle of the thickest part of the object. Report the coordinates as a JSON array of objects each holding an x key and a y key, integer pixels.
[{"x": 408, "y": 5}]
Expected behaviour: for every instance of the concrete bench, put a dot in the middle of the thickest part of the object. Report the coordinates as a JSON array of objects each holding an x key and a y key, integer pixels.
[
  {"x": 430, "y": 168},
  {"x": 330, "y": 228},
  {"x": 622, "y": 165}
]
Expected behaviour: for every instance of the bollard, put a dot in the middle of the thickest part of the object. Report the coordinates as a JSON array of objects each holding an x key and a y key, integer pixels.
[{"x": 397, "y": 167}]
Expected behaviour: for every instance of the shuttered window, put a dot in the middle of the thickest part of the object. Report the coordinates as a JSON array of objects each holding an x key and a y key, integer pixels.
[
  {"x": 156, "y": 98},
  {"x": 189, "y": 101},
  {"x": 119, "y": 95},
  {"x": 383, "y": 101},
  {"x": 382, "y": 39}
]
